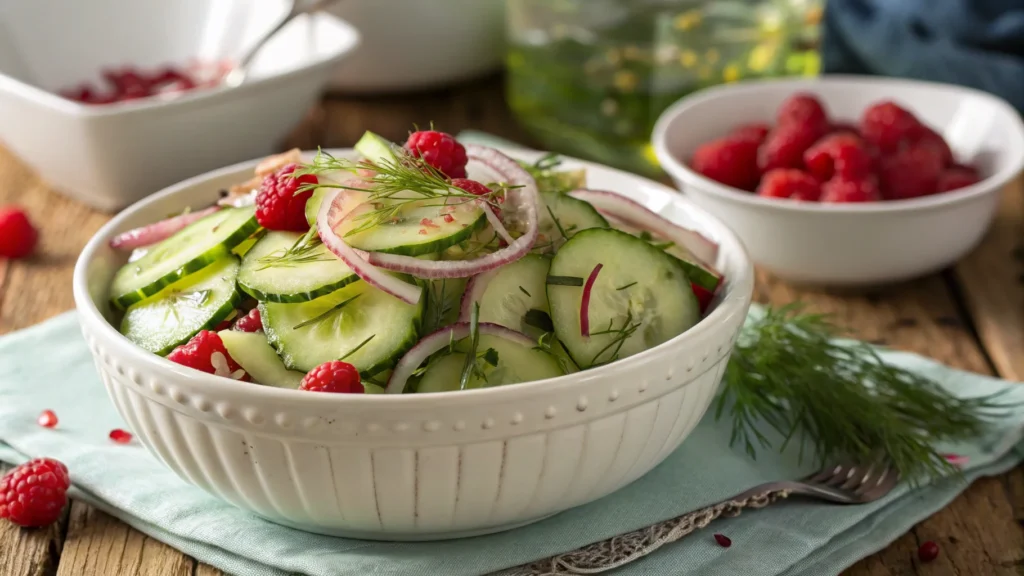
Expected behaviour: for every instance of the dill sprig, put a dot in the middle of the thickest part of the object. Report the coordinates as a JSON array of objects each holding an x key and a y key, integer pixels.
[
  {"x": 326, "y": 314},
  {"x": 839, "y": 399},
  {"x": 303, "y": 251},
  {"x": 619, "y": 337},
  {"x": 545, "y": 171}
]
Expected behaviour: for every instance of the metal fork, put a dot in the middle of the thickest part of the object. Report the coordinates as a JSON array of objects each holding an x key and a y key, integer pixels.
[{"x": 845, "y": 483}]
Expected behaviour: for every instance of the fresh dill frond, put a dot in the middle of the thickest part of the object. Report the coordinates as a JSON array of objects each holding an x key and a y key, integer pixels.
[{"x": 303, "y": 251}]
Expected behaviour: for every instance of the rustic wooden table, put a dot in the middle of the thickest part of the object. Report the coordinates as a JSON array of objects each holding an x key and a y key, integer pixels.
[{"x": 970, "y": 317}]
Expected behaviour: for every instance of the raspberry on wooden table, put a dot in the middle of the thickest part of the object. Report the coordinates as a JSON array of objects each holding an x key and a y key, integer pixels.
[
  {"x": 279, "y": 204},
  {"x": 756, "y": 132},
  {"x": 34, "y": 493},
  {"x": 440, "y": 150},
  {"x": 804, "y": 109},
  {"x": 843, "y": 154},
  {"x": 786, "y": 144},
  {"x": 251, "y": 322},
  {"x": 18, "y": 236},
  {"x": 206, "y": 352},
  {"x": 335, "y": 376},
  {"x": 909, "y": 173},
  {"x": 840, "y": 189},
  {"x": 729, "y": 161},
  {"x": 886, "y": 125},
  {"x": 789, "y": 183},
  {"x": 957, "y": 177}
]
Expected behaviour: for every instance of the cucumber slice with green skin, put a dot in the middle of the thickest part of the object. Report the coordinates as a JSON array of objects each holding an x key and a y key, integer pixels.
[
  {"x": 197, "y": 302},
  {"x": 419, "y": 227},
  {"x": 375, "y": 148},
  {"x": 640, "y": 298},
  {"x": 706, "y": 279},
  {"x": 562, "y": 217},
  {"x": 366, "y": 327},
  {"x": 313, "y": 204},
  {"x": 190, "y": 250},
  {"x": 281, "y": 269},
  {"x": 516, "y": 363},
  {"x": 514, "y": 291},
  {"x": 259, "y": 360}
]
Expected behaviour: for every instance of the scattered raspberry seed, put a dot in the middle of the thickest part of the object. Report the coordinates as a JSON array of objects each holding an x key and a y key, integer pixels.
[
  {"x": 120, "y": 436},
  {"x": 34, "y": 493},
  {"x": 723, "y": 540},
  {"x": 928, "y": 551},
  {"x": 47, "y": 419}
]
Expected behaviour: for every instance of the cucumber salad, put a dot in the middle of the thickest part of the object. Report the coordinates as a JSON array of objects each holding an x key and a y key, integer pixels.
[{"x": 426, "y": 267}]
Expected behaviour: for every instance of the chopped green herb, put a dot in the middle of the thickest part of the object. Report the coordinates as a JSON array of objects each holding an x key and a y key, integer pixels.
[
  {"x": 356, "y": 349},
  {"x": 320, "y": 318},
  {"x": 523, "y": 290},
  {"x": 564, "y": 281},
  {"x": 631, "y": 284}
]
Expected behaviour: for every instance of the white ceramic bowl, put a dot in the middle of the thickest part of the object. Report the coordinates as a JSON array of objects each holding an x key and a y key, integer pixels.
[
  {"x": 850, "y": 244},
  {"x": 417, "y": 466},
  {"x": 418, "y": 44},
  {"x": 110, "y": 156}
]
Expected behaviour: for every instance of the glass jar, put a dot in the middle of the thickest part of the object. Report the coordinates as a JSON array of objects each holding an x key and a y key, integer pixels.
[{"x": 590, "y": 77}]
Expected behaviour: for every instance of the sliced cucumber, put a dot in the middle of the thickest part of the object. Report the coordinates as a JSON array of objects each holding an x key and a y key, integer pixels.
[
  {"x": 191, "y": 249},
  {"x": 641, "y": 297},
  {"x": 516, "y": 363},
  {"x": 259, "y": 360},
  {"x": 444, "y": 297},
  {"x": 289, "y": 267},
  {"x": 699, "y": 275},
  {"x": 313, "y": 204},
  {"x": 562, "y": 217},
  {"x": 197, "y": 302},
  {"x": 516, "y": 296},
  {"x": 418, "y": 227},
  {"x": 375, "y": 148},
  {"x": 367, "y": 327}
]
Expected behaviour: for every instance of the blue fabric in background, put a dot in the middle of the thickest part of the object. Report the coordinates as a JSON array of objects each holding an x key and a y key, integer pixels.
[{"x": 976, "y": 43}]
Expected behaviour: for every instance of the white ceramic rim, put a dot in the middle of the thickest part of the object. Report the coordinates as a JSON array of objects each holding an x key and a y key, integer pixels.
[
  {"x": 680, "y": 170},
  {"x": 733, "y": 300},
  {"x": 60, "y": 104}
]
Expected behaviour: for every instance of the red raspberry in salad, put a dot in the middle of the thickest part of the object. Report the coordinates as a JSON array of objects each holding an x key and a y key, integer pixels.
[
  {"x": 843, "y": 154},
  {"x": 18, "y": 236},
  {"x": 33, "y": 494},
  {"x": 786, "y": 144},
  {"x": 924, "y": 137},
  {"x": 910, "y": 173},
  {"x": 335, "y": 376},
  {"x": 206, "y": 352},
  {"x": 788, "y": 183},
  {"x": 279, "y": 204},
  {"x": 440, "y": 150},
  {"x": 756, "y": 132},
  {"x": 957, "y": 177},
  {"x": 251, "y": 322},
  {"x": 841, "y": 189},
  {"x": 886, "y": 125},
  {"x": 471, "y": 186},
  {"x": 729, "y": 161},
  {"x": 804, "y": 109}
]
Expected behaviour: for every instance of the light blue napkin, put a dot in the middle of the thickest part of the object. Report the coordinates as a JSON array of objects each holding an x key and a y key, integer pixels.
[{"x": 49, "y": 366}]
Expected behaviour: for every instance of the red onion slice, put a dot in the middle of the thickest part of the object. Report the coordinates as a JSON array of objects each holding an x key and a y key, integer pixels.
[
  {"x": 495, "y": 222},
  {"x": 437, "y": 340},
  {"x": 332, "y": 211},
  {"x": 475, "y": 289},
  {"x": 703, "y": 249},
  {"x": 158, "y": 231},
  {"x": 585, "y": 301},
  {"x": 520, "y": 210}
]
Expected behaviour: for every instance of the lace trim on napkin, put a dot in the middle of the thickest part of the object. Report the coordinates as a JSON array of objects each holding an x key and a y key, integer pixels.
[{"x": 625, "y": 548}]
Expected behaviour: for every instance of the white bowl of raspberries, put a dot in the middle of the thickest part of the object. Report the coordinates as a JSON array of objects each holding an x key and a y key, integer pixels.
[{"x": 845, "y": 180}]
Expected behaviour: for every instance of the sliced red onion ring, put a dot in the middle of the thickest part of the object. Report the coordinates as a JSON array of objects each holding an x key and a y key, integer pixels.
[
  {"x": 475, "y": 289},
  {"x": 158, "y": 231},
  {"x": 496, "y": 222},
  {"x": 585, "y": 301},
  {"x": 437, "y": 340},
  {"x": 332, "y": 211},
  {"x": 704, "y": 250},
  {"x": 520, "y": 209}
]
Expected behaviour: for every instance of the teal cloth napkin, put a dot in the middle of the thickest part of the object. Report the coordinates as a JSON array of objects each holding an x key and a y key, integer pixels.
[{"x": 49, "y": 366}]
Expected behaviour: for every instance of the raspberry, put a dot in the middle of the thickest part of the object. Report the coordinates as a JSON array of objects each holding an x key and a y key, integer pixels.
[
  {"x": 843, "y": 127},
  {"x": 925, "y": 137},
  {"x": 788, "y": 183},
  {"x": 886, "y": 125},
  {"x": 17, "y": 235},
  {"x": 840, "y": 189},
  {"x": 279, "y": 205},
  {"x": 756, "y": 132},
  {"x": 910, "y": 173},
  {"x": 206, "y": 352},
  {"x": 34, "y": 493},
  {"x": 471, "y": 186},
  {"x": 251, "y": 322},
  {"x": 786, "y": 145},
  {"x": 335, "y": 376},
  {"x": 729, "y": 161},
  {"x": 843, "y": 154},
  {"x": 957, "y": 177},
  {"x": 802, "y": 108},
  {"x": 440, "y": 150}
]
